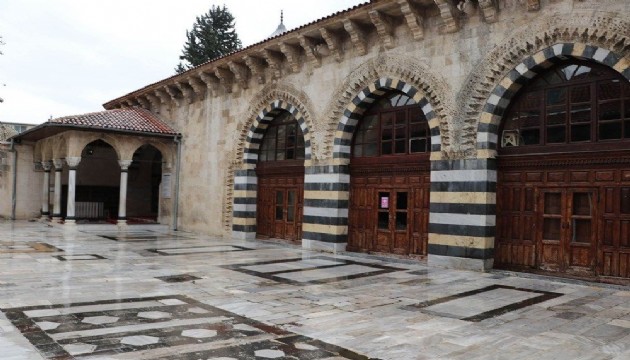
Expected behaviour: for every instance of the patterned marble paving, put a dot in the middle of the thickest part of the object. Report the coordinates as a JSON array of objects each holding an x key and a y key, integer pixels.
[
  {"x": 144, "y": 237},
  {"x": 273, "y": 301},
  {"x": 485, "y": 303},
  {"x": 158, "y": 328},
  {"x": 198, "y": 250},
  {"x": 312, "y": 270},
  {"x": 11, "y": 247}
]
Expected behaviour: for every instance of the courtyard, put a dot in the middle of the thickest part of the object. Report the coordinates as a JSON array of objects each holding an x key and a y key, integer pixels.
[{"x": 150, "y": 293}]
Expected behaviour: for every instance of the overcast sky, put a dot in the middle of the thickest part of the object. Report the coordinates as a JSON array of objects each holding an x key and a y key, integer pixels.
[{"x": 67, "y": 57}]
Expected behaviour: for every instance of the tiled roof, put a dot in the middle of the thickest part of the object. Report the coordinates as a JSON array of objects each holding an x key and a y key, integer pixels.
[{"x": 135, "y": 119}]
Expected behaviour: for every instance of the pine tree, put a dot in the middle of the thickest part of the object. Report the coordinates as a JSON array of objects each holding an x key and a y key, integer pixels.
[{"x": 213, "y": 35}]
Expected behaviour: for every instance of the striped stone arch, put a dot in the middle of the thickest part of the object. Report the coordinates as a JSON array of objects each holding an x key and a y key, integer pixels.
[
  {"x": 462, "y": 221},
  {"x": 327, "y": 186},
  {"x": 259, "y": 126},
  {"x": 366, "y": 97},
  {"x": 245, "y": 179},
  {"x": 500, "y": 97}
]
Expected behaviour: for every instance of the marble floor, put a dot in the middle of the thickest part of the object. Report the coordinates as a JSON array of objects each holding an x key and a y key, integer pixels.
[{"x": 150, "y": 293}]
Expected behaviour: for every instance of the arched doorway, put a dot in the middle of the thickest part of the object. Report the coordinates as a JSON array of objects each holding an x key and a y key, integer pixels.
[
  {"x": 280, "y": 172},
  {"x": 563, "y": 186},
  {"x": 143, "y": 192},
  {"x": 390, "y": 178},
  {"x": 98, "y": 183}
]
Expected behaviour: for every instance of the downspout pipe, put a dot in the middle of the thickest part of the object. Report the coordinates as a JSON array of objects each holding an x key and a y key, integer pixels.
[
  {"x": 178, "y": 142},
  {"x": 14, "y": 176}
]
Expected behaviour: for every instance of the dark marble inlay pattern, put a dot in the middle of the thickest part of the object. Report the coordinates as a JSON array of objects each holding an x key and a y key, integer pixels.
[
  {"x": 151, "y": 326},
  {"x": 274, "y": 275},
  {"x": 11, "y": 247},
  {"x": 178, "y": 278},
  {"x": 144, "y": 237},
  {"x": 79, "y": 257},
  {"x": 544, "y": 296},
  {"x": 200, "y": 250}
]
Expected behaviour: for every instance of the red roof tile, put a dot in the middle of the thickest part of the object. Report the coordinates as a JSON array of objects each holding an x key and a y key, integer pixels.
[{"x": 134, "y": 119}]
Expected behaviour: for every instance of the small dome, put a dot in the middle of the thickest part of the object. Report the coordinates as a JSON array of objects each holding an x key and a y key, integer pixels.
[{"x": 281, "y": 29}]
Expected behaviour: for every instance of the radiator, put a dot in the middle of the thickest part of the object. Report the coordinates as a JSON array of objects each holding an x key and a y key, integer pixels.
[{"x": 89, "y": 210}]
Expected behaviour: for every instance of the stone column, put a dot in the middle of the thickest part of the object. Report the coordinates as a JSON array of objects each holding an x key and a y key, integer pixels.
[
  {"x": 47, "y": 165},
  {"x": 326, "y": 194},
  {"x": 73, "y": 162},
  {"x": 122, "y": 199},
  {"x": 58, "y": 163},
  {"x": 462, "y": 215}
]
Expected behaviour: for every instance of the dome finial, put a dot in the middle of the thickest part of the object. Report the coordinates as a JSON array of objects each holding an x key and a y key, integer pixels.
[{"x": 281, "y": 28}]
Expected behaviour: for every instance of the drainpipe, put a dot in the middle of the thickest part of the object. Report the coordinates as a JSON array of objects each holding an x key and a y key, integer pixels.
[
  {"x": 178, "y": 141},
  {"x": 14, "y": 175}
]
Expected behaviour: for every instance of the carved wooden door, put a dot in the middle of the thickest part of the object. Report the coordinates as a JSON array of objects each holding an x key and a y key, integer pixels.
[
  {"x": 567, "y": 229},
  {"x": 285, "y": 213},
  {"x": 392, "y": 230},
  {"x": 264, "y": 208},
  {"x": 280, "y": 207}
]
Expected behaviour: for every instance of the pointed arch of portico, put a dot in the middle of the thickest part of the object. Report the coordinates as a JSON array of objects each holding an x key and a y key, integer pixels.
[
  {"x": 166, "y": 150},
  {"x": 78, "y": 141},
  {"x": 241, "y": 189}
]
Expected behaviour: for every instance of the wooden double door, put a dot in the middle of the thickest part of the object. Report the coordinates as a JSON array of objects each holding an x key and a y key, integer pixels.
[
  {"x": 556, "y": 217},
  {"x": 279, "y": 207},
  {"x": 568, "y": 229},
  {"x": 389, "y": 213}
]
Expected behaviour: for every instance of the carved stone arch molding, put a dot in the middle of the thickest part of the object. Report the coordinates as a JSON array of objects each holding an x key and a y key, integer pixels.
[
  {"x": 272, "y": 97},
  {"x": 602, "y": 37},
  {"x": 245, "y": 155},
  {"x": 78, "y": 141},
  {"x": 389, "y": 71}
]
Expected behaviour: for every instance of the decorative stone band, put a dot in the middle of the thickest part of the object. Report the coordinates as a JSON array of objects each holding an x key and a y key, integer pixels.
[
  {"x": 259, "y": 126},
  {"x": 244, "y": 209},
  {"x": 497, "y": 103},
  {"x": 326, "y": 194},
  {"x": 462, "y": 214},
  {"x": 360, "y": 103}
]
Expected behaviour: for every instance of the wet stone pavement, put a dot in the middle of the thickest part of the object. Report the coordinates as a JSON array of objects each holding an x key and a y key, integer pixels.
[{"x": 149, "y": 293}]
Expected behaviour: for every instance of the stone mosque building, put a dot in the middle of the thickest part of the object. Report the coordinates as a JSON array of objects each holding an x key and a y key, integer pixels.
[{"x": 475, "y": 134}]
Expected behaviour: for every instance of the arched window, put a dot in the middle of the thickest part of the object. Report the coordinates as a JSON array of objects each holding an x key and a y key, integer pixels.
[
  {"x": 571, "y": 103},
  {"x": 395, "y": 125},
  {"x": 283, "y": 139}
]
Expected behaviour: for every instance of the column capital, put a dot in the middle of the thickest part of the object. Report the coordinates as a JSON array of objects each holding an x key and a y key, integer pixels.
[
  {"x": 73, "y": 162},
  {"x": 124, "y": 164},
  {"x": 47, "y": 165},
  {"x": 58, "y": 164}
]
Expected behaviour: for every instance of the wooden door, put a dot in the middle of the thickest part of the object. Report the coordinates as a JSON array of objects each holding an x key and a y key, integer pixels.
[
  {"x": 567, "y": 231},
  {"x": 280, "y": 207},
  {"x": 392, "y": 230},
  {"x": 286, "y": 213},
  {"x": 361, "y": 221}
]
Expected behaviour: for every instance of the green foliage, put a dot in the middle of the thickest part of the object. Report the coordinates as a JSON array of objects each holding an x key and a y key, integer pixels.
[{"x": 213, "y": 35}]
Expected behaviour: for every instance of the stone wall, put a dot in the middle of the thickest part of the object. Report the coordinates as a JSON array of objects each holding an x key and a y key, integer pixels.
[
  {"x": 457, "y": 72},
  {"x": 462, "y": 65},
  {"x": 27, "y": 199}
]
